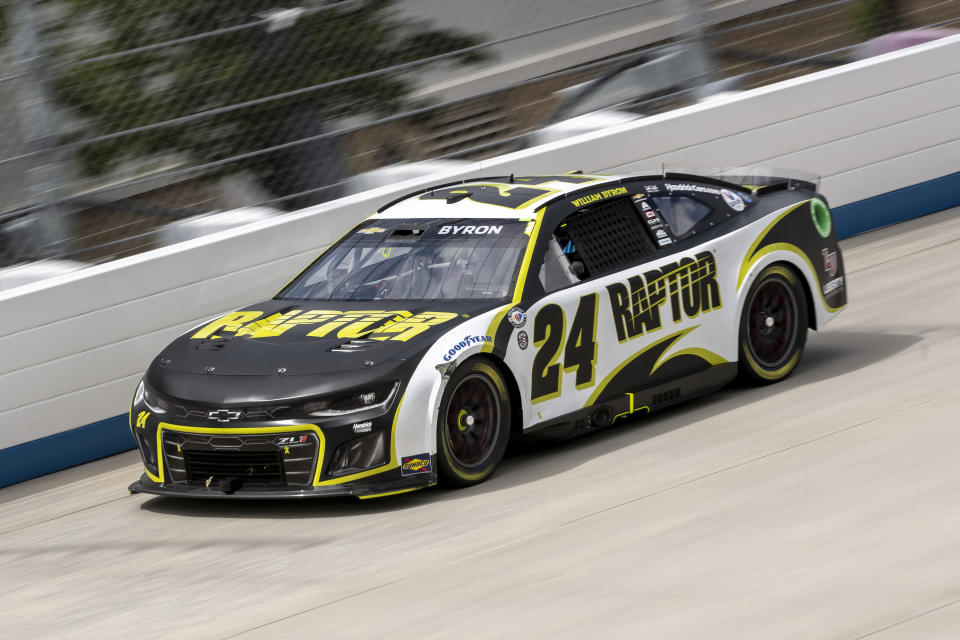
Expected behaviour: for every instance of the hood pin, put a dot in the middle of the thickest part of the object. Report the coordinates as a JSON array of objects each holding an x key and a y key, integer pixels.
[{"x": 281, "y": 371}]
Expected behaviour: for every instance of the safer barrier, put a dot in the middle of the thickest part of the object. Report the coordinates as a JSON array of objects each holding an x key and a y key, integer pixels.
[{"x": 884, "y": 134}]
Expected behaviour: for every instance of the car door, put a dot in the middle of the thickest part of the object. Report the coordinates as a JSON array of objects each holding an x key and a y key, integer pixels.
[{"x": 621, "y": 310}]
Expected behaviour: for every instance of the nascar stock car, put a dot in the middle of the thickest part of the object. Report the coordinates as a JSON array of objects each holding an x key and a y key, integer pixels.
[{"x": 457, "y": 317}]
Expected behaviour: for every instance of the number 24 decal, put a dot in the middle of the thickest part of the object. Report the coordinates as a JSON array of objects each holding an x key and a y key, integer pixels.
[{"x": 579, "y": 353}]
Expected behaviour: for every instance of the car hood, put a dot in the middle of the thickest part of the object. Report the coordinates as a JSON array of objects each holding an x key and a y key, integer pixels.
[{"x": 274, "y": 337}]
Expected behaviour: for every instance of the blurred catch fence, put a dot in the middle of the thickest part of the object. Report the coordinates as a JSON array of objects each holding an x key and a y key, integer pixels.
[{"x": 120, "y": 120}]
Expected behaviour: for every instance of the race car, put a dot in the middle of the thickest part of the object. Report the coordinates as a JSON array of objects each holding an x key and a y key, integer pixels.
[{"x": 462, "y": 316}]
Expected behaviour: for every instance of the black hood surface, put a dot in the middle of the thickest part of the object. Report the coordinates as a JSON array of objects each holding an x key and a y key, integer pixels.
[{"x": 326, "y": 344}]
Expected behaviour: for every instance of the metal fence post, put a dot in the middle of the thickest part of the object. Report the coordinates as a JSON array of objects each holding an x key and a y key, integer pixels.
[
  {"x": 692, "y": 32},
  {"x": 48, "y": 226}
]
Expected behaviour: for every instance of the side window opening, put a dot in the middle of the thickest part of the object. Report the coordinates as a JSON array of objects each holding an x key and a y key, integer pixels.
[
  {"x": 681, "y": 212},
  {"x": 557, "y": 271},
  {"x": 594, "y": 241}
]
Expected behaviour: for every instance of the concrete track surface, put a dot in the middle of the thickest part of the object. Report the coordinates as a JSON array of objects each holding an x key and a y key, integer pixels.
[{"x": 827, "y": 506}]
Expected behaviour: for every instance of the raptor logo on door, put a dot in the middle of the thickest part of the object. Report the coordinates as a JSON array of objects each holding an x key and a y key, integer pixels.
[{"x": 690, "y": 286}]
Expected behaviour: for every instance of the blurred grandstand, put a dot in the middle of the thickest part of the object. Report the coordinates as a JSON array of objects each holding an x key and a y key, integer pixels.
[{"x": 122, "y": 120}]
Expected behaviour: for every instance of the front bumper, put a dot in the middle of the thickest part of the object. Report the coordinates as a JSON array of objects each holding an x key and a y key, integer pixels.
[{"x": 265, "y": 462}]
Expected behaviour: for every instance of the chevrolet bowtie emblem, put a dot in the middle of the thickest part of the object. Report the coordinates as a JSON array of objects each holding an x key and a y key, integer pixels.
[{"x": 224, "y": 415}]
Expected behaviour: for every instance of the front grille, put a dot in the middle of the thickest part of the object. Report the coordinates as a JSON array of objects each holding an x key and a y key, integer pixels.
[
  {"x": 255, "y": 469},
  {"x": 273, "y": 412},
  {"x": 256, "y": 461}
]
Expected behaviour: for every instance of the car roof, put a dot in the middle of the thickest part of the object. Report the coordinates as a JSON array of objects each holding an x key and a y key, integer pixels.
[{"x": 432, "y": 203}]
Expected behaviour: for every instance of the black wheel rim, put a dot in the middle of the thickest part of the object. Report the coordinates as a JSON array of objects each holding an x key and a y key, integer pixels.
[
  {"x": 772, "y": 323},
  {"x": 472, "y": 420}
]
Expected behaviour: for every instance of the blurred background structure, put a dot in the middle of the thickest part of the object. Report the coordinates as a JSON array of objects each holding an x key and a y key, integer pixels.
[{"x": 122, "y": 123}]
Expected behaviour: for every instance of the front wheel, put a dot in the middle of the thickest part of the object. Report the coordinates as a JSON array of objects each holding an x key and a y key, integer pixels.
[
  {"x": 474, "y": 424},
  {"x": 773, "y": 326}
]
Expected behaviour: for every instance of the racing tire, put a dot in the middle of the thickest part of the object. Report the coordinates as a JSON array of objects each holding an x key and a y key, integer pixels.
[
  {"x": 473, "y": 425},
  {"x": 773, "y": 326}
]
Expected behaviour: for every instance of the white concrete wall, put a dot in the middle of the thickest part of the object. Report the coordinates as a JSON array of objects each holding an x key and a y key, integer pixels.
[{"x": 72, "y": 348}]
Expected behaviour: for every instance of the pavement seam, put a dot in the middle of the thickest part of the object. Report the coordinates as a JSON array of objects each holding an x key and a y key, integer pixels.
[
  {"x": 62, "y": 515},
  {"x": 906, "y": 255},
  {"x": 517, "y": 541},
  {"x": 909, "y": 619}
]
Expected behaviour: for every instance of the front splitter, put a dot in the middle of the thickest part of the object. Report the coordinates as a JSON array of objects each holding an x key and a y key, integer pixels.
[{"x": 366, "y": 490}]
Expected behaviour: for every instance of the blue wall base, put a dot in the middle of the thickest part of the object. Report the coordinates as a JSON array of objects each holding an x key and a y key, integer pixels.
[
  {"x": 897, "y": 206},
  {"x": 63, "y": 450}
]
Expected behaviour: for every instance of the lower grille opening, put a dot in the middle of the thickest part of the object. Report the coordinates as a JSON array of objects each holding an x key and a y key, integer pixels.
[{"x": 235, "y": 469}]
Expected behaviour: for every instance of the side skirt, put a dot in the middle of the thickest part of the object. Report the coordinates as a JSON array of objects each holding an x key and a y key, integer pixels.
[{"x": 634, "y": 404}]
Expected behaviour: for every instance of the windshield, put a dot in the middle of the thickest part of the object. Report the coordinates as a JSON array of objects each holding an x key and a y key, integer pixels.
[{"x": 417, "y": 259}]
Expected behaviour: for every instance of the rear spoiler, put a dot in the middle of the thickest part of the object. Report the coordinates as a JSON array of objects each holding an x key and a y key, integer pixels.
[{"x": 759, "y": 180}]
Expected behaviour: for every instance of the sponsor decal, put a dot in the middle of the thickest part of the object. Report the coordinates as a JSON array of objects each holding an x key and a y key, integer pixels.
[
  {"x": 463, "y": 344},
  {"x": 645, "y": 205},
  {"x": 596, "y": 197},
  {"x": 363, "y": 427},
  {"x": 529, "y": 228},
  {"x": 142, "y": 419},
  {"x": 569, "y": 248},
  {"x": 411, "y": 465},
  {"x": 821, "y": 217},
  {"x": 687, "y": 288},
  {"x": 733, "y": 200},
  {"x": 517, "y": 317},
  {"x": 664, "y": 242},
  {"x": 376, "y": 325},
  {"x": 471, "y": 230},
  {"x": 523, "y": 340},
  {"x": 292, "y": 440},
  {"x": 650, "y": 214},
  {"x": 651, "y": 188},
  {"x": 833, "y": 285},
  {"x": 696, "y": 188},
  {"x": 654, "y": 222},
  {"x": 661, "y": 233},
  {"x": 830, "y": 262},
  {"x": 371, "y": 230}
]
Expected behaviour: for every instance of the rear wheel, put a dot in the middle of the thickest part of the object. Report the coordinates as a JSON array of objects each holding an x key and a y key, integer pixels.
[
  {"x": 474, "y": 424},
  {"x": 773, "y": 326}
]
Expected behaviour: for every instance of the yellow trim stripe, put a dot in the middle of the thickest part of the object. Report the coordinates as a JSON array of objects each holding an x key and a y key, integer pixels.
[
  {"x": 238, "y": 430},
  {"x": 673, "y": 337},
  {"x": 783, "y": 246},
  {"x": 749, "y": 260},
  {"x": 492, "y": 329},
  {"x": 393, "y": 464},
  {"x": 393, "y": 493},
  {"x": 527, "y": 257},
  {"x": 704, "y": 354}
]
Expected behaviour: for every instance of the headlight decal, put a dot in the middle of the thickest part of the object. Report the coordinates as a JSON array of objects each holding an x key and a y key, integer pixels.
[{"x": 375, "y": 399}]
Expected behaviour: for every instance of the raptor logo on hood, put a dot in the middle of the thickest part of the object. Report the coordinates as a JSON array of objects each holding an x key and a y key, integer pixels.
[{"x": 375, "y": 325}]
